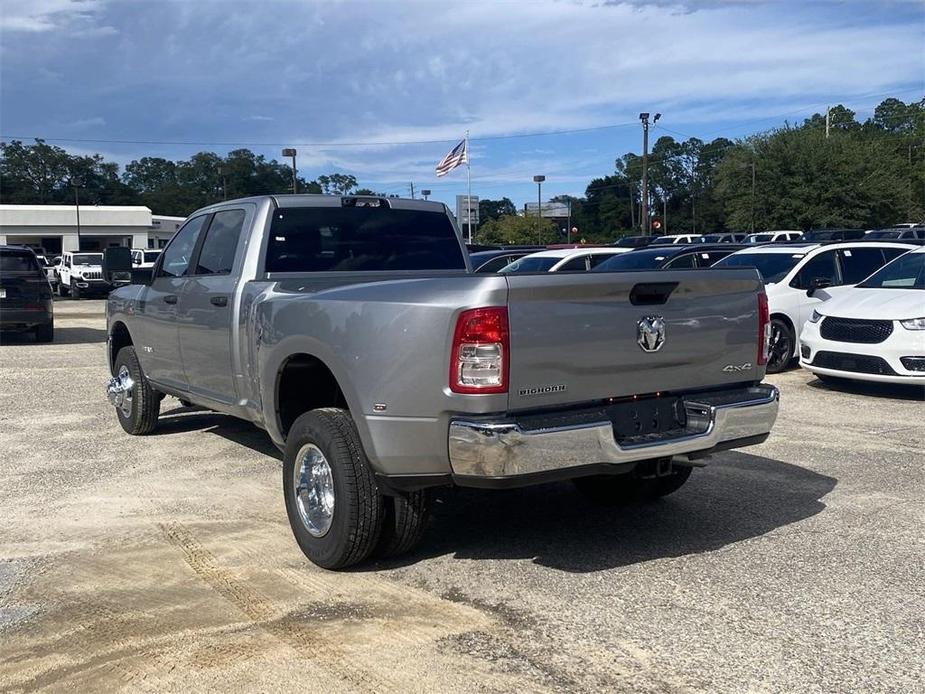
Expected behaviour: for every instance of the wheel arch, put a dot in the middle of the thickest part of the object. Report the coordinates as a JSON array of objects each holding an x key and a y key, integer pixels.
[
  {"x": 304, "y": 382},
  {"x": 119, "y": 337}
]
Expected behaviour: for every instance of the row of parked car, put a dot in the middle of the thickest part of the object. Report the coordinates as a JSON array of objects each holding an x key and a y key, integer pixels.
[
  {"x": 869, "y": 333},
  {"x": 28, "y": 281}
]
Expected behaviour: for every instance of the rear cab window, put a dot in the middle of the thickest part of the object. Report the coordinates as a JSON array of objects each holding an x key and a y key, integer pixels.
[{"x": 361, "y": 239}]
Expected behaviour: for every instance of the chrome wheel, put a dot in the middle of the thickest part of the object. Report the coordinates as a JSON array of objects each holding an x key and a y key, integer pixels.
[
  {"x": 120, "y": 391},
  {"x": 313, "y": 483}
]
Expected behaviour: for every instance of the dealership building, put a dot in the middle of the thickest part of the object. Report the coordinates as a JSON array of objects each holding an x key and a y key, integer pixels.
[{"x": 59, "y": 228}]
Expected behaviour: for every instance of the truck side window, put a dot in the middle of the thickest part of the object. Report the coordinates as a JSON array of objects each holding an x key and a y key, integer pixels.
[
  {"x": 221, "y": 243},
  {"x": 178, "y": 253}
]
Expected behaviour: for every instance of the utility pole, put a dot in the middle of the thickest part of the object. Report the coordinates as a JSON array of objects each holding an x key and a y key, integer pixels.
[
  {"x": 76, "y": 182},
  {"x": 289, "y": 152},
  {"x": 539, "y": 206},
  {"x": 568, "y": 228},
  {"x": 412, "y": 190},
  {"x": 644, "y": 216},
  {"x": 221, "y": 172},
  {"x": 665, "y": 214},
  {"x": 827, "y": 120}
]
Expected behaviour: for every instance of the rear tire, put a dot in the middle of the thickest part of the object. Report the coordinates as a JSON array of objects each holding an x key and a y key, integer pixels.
[
  {"x": 404, "y": 522},
  {"x": 782, "y": 345},
  {"x": 141, "y": 416},
  {"x": 613, "y": 490},
  {"x": 333, "y": 503},
  {"x": 45, "y": 332}
]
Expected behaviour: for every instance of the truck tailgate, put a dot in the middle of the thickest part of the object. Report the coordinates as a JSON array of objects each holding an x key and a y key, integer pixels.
[{"x": 575, "y": 337}]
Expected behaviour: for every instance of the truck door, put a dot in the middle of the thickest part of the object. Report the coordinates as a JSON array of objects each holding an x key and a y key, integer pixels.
[
  {"x": 207, "y": 308},
  {"x": 158, "y": 346}
]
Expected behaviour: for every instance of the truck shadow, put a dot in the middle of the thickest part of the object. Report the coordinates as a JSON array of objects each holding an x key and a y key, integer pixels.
[
  {"x": 738, "y": 497},
  {"x": 179, "y": 419}
]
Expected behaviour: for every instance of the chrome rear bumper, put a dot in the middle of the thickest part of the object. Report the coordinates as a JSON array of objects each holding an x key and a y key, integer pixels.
[{"x": 502, "y": 449}]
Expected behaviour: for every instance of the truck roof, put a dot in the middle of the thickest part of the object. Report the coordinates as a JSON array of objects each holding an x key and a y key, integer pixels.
[{"x": 321, "y": 200}]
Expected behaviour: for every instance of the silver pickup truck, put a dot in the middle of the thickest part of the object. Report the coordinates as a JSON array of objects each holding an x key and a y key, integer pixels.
[{"x": 353, "y": 331}]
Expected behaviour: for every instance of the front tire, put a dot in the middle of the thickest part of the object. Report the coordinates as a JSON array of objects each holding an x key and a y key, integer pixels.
[
  {"x": 782, "y": 346},
  {"x": 141, "y": 407},
  {"x": 75, "y": 293},
  {"x": 62, "y": 290},
  {"x": 332, "y": 499}
]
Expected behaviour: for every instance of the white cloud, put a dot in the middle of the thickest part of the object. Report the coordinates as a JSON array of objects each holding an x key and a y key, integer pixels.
[{"x": 79, "y": 16}]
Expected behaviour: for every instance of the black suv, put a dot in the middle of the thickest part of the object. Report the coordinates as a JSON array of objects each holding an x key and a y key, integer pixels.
[{"x": 25, "y": 295}]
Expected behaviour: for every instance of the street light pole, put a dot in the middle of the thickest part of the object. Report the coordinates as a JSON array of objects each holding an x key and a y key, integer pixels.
[
  {"x": 76, "y": 182},
  {"x": 539, "y": 205},
  {"x": 644, "y": 215},
  {"x": 221, "y": 172},
  {"x": 753, "y": 198},
  {"x": 290, "y": 152}
]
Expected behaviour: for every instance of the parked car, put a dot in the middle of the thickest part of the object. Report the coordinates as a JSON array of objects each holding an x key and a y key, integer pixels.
[
  {"x": 25, "y": 295},
  {"x": 794, "y": 273},
  {"x": 353, "y": 332},
  {"x": 144, "y": 257},
  {"x": 903, "y": 233},
  {"x": 493, "y": 261},
  {"x": 563, "y": 260},
  {"x": 774, "y": 237},
  {"x": 47, "y": 268},
  {"x": 730, "y": 237},
  {"x": 634, "y": 241},
  {"x": 671, "y": 257},
  {"x": 80, "y": 274},
  {"x": 833, "y": 235},
  {"x": 874, "y": 331},
  {"x": 678, "y": 238}
]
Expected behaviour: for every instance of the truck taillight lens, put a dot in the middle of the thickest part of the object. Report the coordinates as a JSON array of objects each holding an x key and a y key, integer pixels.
[
  {"x": 764, "y": 329},
  {"x": 481, "y": 349}
]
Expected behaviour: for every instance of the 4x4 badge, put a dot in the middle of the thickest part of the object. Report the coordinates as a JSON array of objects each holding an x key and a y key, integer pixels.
[{"x": 651, "y": 333}]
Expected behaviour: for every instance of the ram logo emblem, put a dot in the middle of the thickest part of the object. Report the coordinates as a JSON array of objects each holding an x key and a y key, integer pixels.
[{"x": 650, "y": 333}]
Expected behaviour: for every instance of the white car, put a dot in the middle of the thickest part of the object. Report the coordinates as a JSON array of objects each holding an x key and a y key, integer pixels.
[
  {"x": 874, "y": 331},
  {"x": 81, "y": 273},
  {"x": 774, "y": 236},
  {"x": 563, "y": 260},
  {"x": 144, "y": 258},
  {"x": 678, "y": 238},
  {"x": 794, "y": 273}
]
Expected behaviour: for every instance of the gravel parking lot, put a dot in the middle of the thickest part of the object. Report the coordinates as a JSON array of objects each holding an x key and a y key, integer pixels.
[{"x": 165, "y": 563}]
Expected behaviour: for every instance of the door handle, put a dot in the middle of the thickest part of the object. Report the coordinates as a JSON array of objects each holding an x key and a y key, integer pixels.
[
  {"x": 219, "y": 300},
  {"x": 170, "y": 298}
]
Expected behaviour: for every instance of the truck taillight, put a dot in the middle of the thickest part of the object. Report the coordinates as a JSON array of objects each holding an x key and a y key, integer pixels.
[
  {"x": 764, "y": 329},
  {"x": 480, "y": 355}
]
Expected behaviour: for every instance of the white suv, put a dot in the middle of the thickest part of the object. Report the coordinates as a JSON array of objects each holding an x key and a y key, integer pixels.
[
  {"x": 874, "y": 331},
  {"x": 774, "y": 237},
  {"x": 794, "y": 273},
  {"x": 81, "y": 273}
]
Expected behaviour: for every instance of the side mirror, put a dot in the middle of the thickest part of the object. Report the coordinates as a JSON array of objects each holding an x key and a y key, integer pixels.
[
  {"x": 818, "y": 283},
  {"x": 142, "y": 275},
  {"x": 116, "y": 261}
]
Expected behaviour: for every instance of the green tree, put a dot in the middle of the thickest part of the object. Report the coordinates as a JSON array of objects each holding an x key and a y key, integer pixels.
[
  {"x": 337, "y": 183},
  {"x": 516, "y": 230},
  {"x": 493, "y": 209}
]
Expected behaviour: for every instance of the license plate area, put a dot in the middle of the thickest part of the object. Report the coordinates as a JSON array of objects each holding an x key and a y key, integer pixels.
[{"x": 645, "y": 417}]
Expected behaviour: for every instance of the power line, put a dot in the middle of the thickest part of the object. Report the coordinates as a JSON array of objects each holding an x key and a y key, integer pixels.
[{"x": 320, "y": 145}]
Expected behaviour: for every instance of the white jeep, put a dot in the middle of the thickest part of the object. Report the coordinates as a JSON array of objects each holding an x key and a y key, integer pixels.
[{"x": 80, "y": 274}]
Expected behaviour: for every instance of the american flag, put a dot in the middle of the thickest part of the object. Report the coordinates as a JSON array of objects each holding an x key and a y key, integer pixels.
[{"x": 457, "y": 156}]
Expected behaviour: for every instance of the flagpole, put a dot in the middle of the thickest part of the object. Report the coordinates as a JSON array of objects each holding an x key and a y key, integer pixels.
[{"x": 468, "y": 190}]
